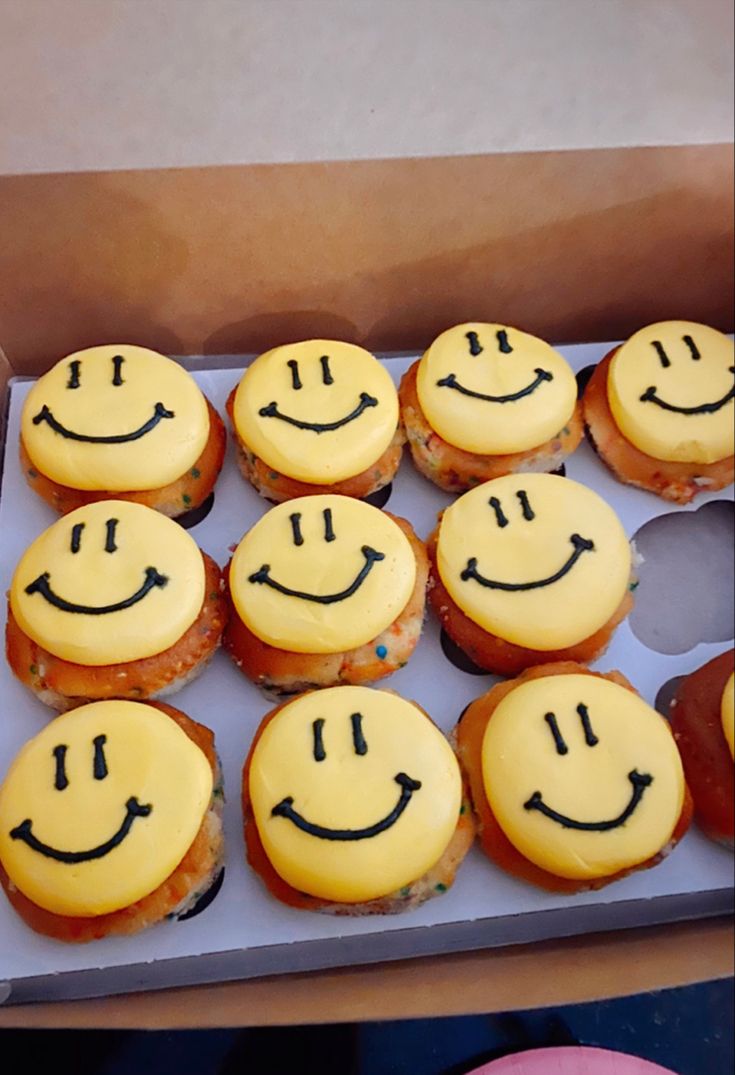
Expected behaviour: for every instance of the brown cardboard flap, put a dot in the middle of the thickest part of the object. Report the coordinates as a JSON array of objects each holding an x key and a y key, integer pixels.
[{"x": 573, "y": 245}]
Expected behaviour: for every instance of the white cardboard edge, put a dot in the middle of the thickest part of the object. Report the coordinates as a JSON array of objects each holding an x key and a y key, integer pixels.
[{"x": 252, "y": 934}]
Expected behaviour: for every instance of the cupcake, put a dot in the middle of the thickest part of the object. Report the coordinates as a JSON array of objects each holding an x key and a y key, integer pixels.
[
  {"x": 325, "y": 590},
  {"x": 575, "y": 780},
  {"x": 487, "y": 400},
  {"x": 110, "y": 821},
  {"x": 319, "y": 416},
  {"x": 119, "y": 422},
  {"x": 112, "y": 601},
  {"x": 529, "y": 569},
  {"x": 660, "y": 410},
  {"x": 702, "y": 719},
  {"x": 353, "y": 804}
]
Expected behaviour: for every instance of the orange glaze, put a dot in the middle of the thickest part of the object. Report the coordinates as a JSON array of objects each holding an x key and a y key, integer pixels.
[
  {"x": 697, "y": 723},
  {"x": 496, "y": 654},
  {"x": 196, "y": 865},
  {"x": 279, "y": 487},
  {"x": 183, "y": 495},
  {"x": 274, "y": 668},
  {"x": 457, "y": 470},
  {"x": 469, "y": 736},
  {"x": 679, "y": 482},
  {"x": 136, "y": 680}
]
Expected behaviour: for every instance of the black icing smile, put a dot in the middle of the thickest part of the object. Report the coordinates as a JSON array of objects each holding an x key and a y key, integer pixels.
[
  {"x": 581, "y": 545},
  {"x": 41, "y": 585},
  {"x": 649, "y": 396},
  {"x": 640, "y": 782},
  {"x": 262, "y": 575},
  {"x": 133, "y": 809},
  {"x": 272, "y": 411},
  {"x": 450, "y": 381},
  {"x": 285, "y": 809},
  {"x": 159, "y": 412}
]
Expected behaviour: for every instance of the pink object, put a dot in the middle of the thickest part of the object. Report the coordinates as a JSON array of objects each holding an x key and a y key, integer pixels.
[{"x": 572, "y": 1060}]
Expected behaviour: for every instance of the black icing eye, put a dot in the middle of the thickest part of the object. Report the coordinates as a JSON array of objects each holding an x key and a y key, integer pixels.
[
  {"x": 74, "y": 371},
  {"x": 662, "y": 356},
  {"x": 499, "y": 513},
  {"x": 295, "y": 379},
  {"x": 329, "y": 534},
  {"x": 528, "y": 512},
  {"x": 561, "y": 746},
  {"x": 60, "y": 779},
  {"x": 357, "y": 737},
  {"x": 589, "y": 736},
  {"x": 327, "y": 377},
  {"x": 692, "y": 347},
  {"x": 295, "y": 519},
  {"x": 117, "y": 363},
  {"x": 110, "y": 528},
  {"x": 318, "y": 748},
  {"x": 76, "y": 536},
  {"x": 100, "y": 764},
  {"x": 475, "y": 345},
  {"x": 503, "y": 344}
]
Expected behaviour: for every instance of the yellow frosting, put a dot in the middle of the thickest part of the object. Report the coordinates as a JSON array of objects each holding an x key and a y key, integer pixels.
[
  {"x": 375, "y": 747},
  {"x": 350, "y": 382},
  {"x": 123, "y": 551},
  {"x": 110, "y": 772},
  {"x": 500, "y": 544},
  {"x": 322, "y": 546},
  {"x": 509, "y": 363},
  {"x": 90, "y": 394},
  {"x": 683, "y": 365},
  {"x": 629, "y": 761},
  {"x": 728, "y": 713}
]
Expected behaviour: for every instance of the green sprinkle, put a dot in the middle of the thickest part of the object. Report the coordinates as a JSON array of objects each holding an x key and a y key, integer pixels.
[
  {"x": 195, "y": 473},
  {"x": 566, "y": 431},
  {"x": 462, "y": 810},
  {"x": 440, "y": 887},
  {"x": 634, "y": 585},
  {"x": 33, "y": 670},
  {"x": 406, "y": 891},
  {"x": 32, "y": 473},
  {"x": 274, "y": 475},
  {"x": 186, "y": 498},
  {"x": 213, "y": 596}
]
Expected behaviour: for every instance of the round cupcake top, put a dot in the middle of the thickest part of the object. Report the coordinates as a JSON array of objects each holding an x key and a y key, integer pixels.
[
  {"x": 115, "y": 418},
  {"x": 99, "y": 808},
  {"x": 583, "y": 777},
  {"x": 671, "y": 392},
  {"x": 495, "y": 390},
  {"x": 322, "y": 574},
  {"x": 108, "y": 583},
  {"x": 354, "y": 792},
  {"x": 535, "y": 559},
  {"x": 728, "y": 713},
  {"x": 319, "y": 411}
]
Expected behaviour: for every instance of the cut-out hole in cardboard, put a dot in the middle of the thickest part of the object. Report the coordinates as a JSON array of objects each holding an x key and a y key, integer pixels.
[
  {"x": 583, "y": 379},
  {"x": 666, "y": 694},
  {"x": 458, "y": 657},
  {"x": 205, "y": 899},
  {"x": 686, "y": 593},
  {"x": 190, "y": 518},
  {"x": 380, "y": 497}
]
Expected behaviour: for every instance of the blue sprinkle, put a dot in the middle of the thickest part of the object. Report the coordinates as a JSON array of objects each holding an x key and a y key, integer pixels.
[{"x": 382, "y": 652}]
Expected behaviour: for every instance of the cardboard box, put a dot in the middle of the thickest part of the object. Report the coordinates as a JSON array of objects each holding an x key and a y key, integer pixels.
[{"x": 556, "y": 210}]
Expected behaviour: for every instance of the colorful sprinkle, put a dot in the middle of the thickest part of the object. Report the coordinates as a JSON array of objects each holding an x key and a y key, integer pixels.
[
  {"x": 406, "y": 891},
  {"x": 382, "y": 652},
  {"x": 195, "y": 473},
  {"x": 33, "y": 670},
  {"x": 32, "y": 473},
  {"x": 186, "y": 498},
  {"x": 634, "y": 586},
  {"x": 440, "y": 887}
]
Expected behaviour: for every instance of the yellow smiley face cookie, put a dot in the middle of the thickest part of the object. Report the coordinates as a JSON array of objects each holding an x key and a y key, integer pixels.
[
  {"x": 319, "y": 411},
  {"x": 115, "y": 418},
  {"x": 671, "y": 392},
  {"x": 100, "y": 808},
  {"x": 494, "y": 390},
  {"x": 354, "y": 792},
  {"x": 322, "y": 574},
  {"x": 538, "y": 560},
  {"x": 110, "y": 582},
  {"x": 728, "y": 713},
  {"x": 582, "y": 775}
]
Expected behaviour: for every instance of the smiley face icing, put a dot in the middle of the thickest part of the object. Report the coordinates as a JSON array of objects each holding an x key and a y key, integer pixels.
[
  {"x": 322, "y": 574},
  {"x": 728, "y": 713},
  {"x": 319, "y": 411},
  {"x": 100, "y": 807},
  {"x": 354, "y": 792},
  {"x": 583, "y": 777},
  {"x": 535, "y": 559},
  {"x": 115, "y": 418},
  {"x": 671, "y": 389},
  {"x": 494, "y": 390},
  {"x": 108, "y": 583}
]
